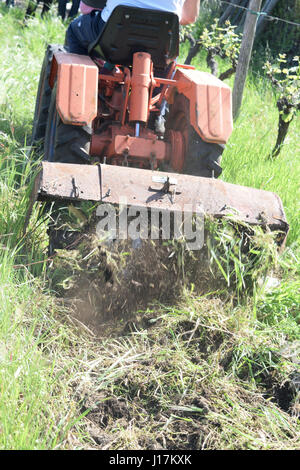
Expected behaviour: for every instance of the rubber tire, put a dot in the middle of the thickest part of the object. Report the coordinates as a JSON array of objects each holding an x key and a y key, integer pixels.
[
  {"x": 202, "y": 158},
  {"x": 43, "y": 97},
  {"x": 65, "y": 143}
]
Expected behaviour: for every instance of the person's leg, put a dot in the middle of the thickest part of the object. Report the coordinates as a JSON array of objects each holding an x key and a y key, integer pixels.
[
  {"x": 74, "y": 9},
  {"x": 46, "y": 6},
  {"x": 83, "y": 31},
  {"x": 62, "y": 8},
  {"x": 31, "y": 8}
]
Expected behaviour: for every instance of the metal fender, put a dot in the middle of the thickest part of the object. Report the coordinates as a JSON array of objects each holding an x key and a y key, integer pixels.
[
  {"x": 77, "y": 87},
  {"x": 210, "y": 103}
]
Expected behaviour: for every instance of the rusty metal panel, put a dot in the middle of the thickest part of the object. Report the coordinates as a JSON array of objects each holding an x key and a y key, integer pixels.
[
  {"x": 210, "y": 104},
  {"x": 140, "y": 147},
  {"x": 77, "y": 88},
  {"x": 140, "y": 188}
]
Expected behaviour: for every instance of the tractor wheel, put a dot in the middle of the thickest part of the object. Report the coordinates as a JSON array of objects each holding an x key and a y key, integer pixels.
[
  {"x": 43, "y": 95},
  {"x": 65, "y": 143},
  {"x": 201, "y": 158}
]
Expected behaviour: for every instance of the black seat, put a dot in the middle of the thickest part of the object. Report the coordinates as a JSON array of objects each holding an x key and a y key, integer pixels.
[{"x": 131, "y": 30}]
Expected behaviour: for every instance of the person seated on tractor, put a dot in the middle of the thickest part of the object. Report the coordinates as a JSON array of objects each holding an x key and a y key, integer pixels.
[{"x": 85, "y": 29}]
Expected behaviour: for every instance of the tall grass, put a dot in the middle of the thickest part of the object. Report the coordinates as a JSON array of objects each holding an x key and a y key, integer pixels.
[
  {"x": 246, "y": 159},
  {"x": 22, "y": 50},
  {"x": 36, "y": 409}
]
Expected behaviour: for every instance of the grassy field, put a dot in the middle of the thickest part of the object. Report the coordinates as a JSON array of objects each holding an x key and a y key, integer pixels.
[{"x": 217, "y": 371}]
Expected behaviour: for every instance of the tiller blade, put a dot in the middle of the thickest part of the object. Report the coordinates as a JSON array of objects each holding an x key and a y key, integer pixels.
[{"x": 161, "y": 191}]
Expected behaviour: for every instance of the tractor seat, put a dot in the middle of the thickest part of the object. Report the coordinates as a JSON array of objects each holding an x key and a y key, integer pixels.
[{"x": 130, "y": 30}]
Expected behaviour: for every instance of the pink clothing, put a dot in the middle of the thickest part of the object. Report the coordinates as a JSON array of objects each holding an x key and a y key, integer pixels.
[{"x": 85, "y": 9}]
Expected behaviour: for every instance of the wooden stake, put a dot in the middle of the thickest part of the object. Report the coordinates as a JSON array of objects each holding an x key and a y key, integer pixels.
[{"x": 245, "y": 55}]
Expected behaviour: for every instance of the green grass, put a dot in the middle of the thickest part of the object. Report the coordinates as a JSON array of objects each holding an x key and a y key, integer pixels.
[
  {"x": 247, "y": 162},
  {"x": 36, "y": 363},
  {"x": 212, "y": 372},
  {"x": 22, "y": 51},
  {"x": 36, "y": 408}
]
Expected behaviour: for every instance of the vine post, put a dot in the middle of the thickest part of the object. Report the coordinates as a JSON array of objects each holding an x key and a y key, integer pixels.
[{"x": 245, "y": 54}]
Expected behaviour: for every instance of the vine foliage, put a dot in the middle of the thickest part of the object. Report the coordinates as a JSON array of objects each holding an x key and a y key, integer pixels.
[
  {"x": 216, "y": 41},
  {"x": 286, "y": 79}
]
